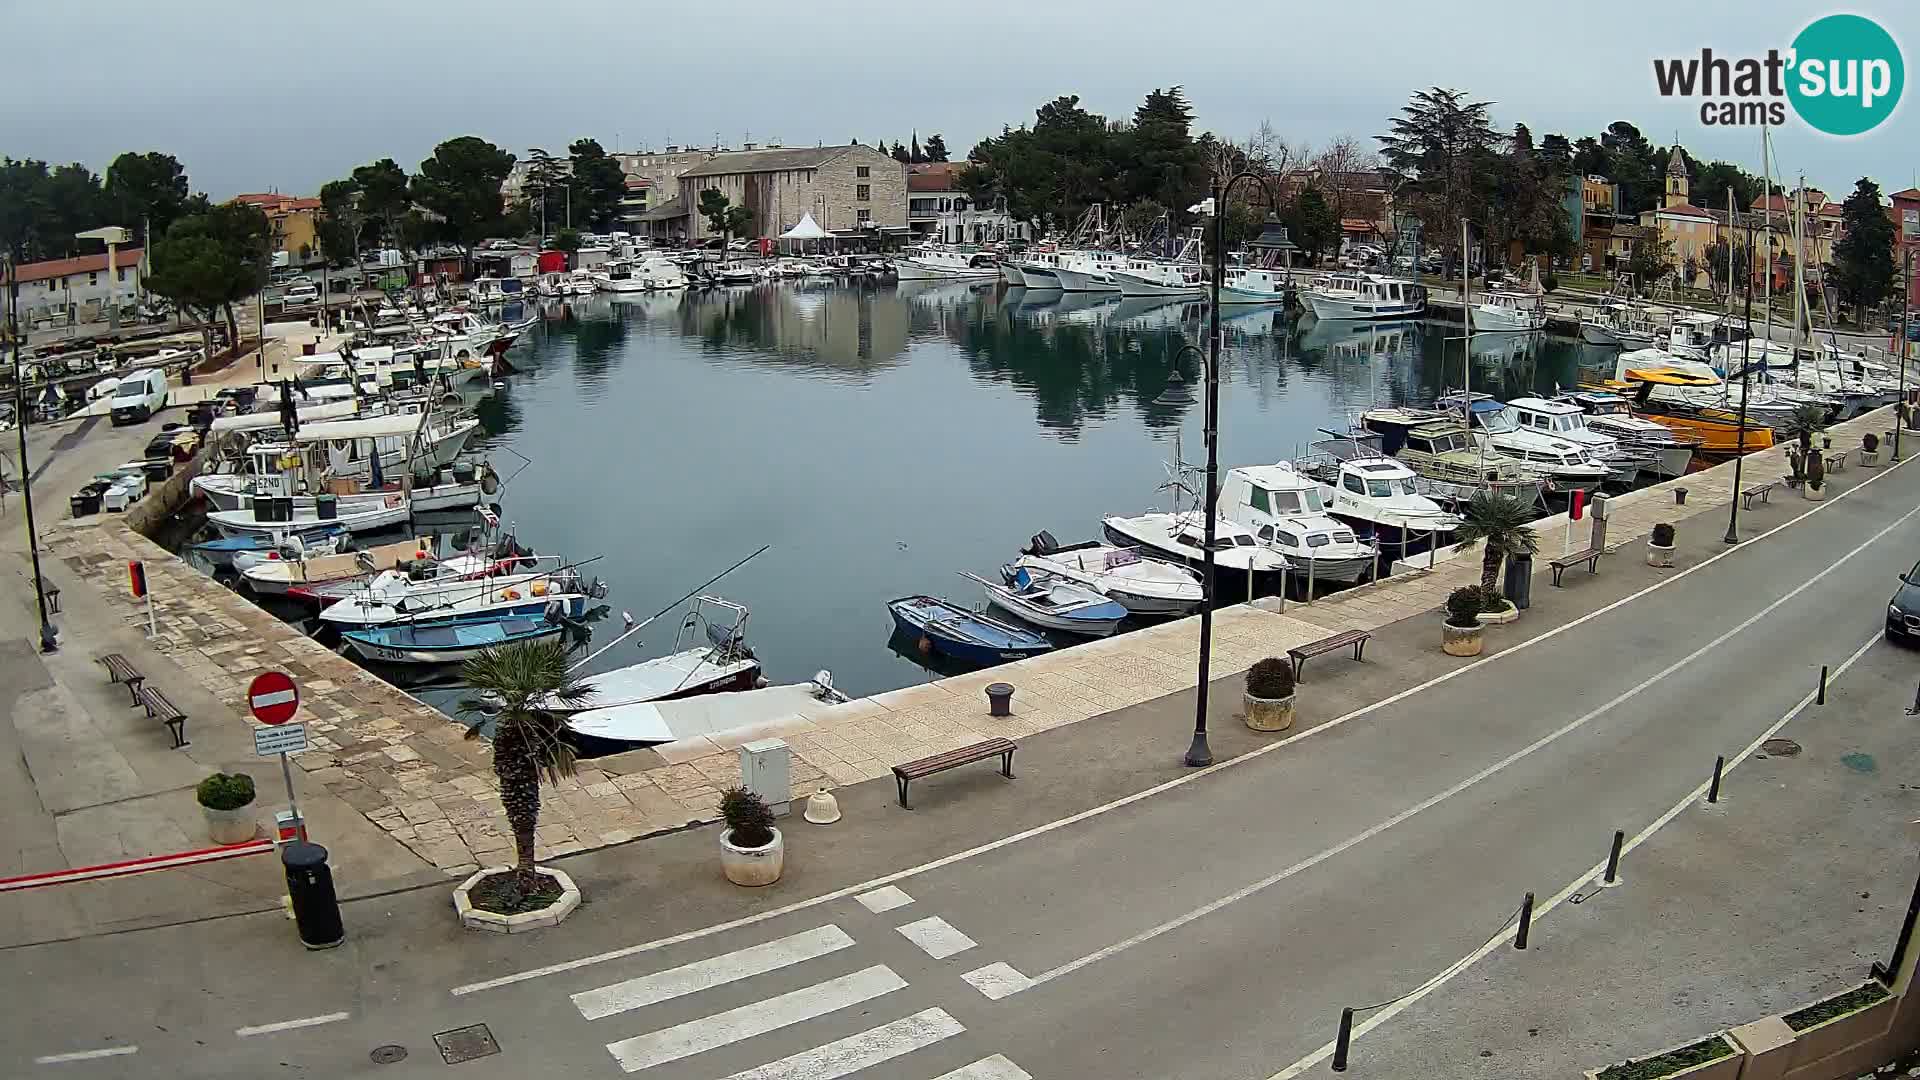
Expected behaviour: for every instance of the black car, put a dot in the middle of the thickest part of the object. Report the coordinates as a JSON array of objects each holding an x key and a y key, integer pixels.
[{"x": 1903, "y": 611}]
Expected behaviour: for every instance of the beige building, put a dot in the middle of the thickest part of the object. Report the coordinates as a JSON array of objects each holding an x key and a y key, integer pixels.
[
  {"x": 853, "y": 190},
  {"x": 1689, "y": 229}
]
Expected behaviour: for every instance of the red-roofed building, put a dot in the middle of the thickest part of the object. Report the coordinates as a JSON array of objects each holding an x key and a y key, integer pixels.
[
  {"x": 52, "y": 291},
  {"x": 294, "y": 220},
  {"x": 938, "y": 209}
]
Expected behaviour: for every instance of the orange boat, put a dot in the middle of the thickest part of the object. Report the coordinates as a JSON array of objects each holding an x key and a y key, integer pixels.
[{"x": 1716, "y": 429}]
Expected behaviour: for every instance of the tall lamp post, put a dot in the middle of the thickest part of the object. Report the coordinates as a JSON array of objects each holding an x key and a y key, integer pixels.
[
  {"x": 1199, "y": 754},
  {"x": 1746, "y": 362},
  {"x": 1906, "y": 294},
  {"x": 49, "y": 641}
]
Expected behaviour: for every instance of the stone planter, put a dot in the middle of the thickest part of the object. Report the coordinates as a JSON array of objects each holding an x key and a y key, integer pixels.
[
  {"x": 1814, "y": 494},
  {"x": 1659, "y": 556},
  {"x": 1725, "y": 1067},
  {"x": 1869, "y": 459},
  {"x": 552, "y": 915},
  {"x": 752, "y": 866},
  {"x": 1462, "y": 640},
  {"x": 1507, "y": 613},
  {"x": 1269, "y": 714},
  {"x": 230, "y": 826}
]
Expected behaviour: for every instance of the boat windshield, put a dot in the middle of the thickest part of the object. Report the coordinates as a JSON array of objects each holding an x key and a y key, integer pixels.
[
  {"x": 1383, "y": 489},
  {"x": 1502, "y": 421}
]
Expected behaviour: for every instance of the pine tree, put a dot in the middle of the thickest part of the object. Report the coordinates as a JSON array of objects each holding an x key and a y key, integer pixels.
[{"x": 1863, "y": 259}]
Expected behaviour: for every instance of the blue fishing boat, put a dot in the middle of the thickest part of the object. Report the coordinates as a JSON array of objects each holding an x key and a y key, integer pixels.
[
  {"x": 952, "y": 630},
  {"x": 220, "y": 552},
  {"x": 446, "y": 642}
]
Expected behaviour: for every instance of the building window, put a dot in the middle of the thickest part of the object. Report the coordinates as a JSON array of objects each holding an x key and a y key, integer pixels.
[
  {"x": 123, "y": 273},
  {"x": 863, "y": 192},
  {"x": 862, "y": 171},
  {"x": 93, "y": 278},
  {"x": 863, "y": 216}
]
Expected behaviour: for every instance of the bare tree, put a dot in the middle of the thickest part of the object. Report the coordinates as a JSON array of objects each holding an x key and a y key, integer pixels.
[{"x": 1345, "y": 170}]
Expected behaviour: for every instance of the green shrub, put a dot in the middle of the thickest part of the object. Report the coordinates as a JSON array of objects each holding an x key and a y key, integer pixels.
[
  {"x": 1671, "y": 1062},
  {"x": 1839, "y": 1005},
  {"x": 225, "y": 791},
  {"x": 1271, "y": 678},
  {"x": 748, "y": 817},
  {"x": 1464, "y": 606}
]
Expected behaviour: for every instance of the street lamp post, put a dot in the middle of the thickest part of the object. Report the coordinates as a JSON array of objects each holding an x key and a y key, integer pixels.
[
  {"x": 1900, "y": 406},
  {"x": 1746, "y": 362},
  {"x": 49, "y": 641}
]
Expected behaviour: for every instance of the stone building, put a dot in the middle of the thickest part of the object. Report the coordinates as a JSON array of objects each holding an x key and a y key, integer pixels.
[
  {"x": 851, "y": 190},
  {"x": 938, "y": 210}
]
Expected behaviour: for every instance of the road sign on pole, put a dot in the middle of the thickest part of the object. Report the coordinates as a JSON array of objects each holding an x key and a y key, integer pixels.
[{"x": 274, "y": 699}]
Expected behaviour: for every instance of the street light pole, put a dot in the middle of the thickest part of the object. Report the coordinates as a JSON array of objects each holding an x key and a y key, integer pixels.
[
  {"x": 1906, "y": 294},
  {"x": 48, "y": 640},
  {"x": 1199, "y": 754},
  {"x": 1746, "y": 362}
]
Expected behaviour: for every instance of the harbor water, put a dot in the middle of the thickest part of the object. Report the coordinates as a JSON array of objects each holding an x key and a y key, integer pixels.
[{"x": 883, "y": 438}]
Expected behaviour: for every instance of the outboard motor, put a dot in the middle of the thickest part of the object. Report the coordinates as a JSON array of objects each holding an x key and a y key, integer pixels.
[{"x": 1043, "y": 543}]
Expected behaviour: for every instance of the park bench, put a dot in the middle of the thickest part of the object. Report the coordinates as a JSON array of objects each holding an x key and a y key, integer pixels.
[
  {"x": 1762, "y": 492},
  {"x": 953, "y": 759},
  {"x": 1590, "y": 556},
  {"x": 1300, "y": 654},
  {"x": 120, "y": 671},
  {"x": 159, "y": 708}
]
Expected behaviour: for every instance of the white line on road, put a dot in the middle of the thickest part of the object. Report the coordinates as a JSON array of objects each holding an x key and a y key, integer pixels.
[
  {"x": 714, "y": 971},
  {"x": 1434, "y": 800},
  {"x": 1597, "y": 869},
  {"x": 289, "y": 1025},
  {"x": 997, "y": 980},
  {"x": 754, "y": 1018},
  {"x": 855, "y": 1052},
  {"x": 86, "y": 1055},
  {"x": 936, "y": 937},
  {"x": 884, "y": 899},
  {"x": 1186, "y": 777},
  {"x": 996, "y": 1067}
]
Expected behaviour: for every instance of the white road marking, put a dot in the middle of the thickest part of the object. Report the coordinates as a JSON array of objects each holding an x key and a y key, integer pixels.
[
  {"x": 855, "y": 1052},
  {"x": 936, "y": 937},
  {"x": 86, "y": 1055},
  {"x": 754, "y": 1018},
  {"x": 1590, "y": 876},
  {"x": 997, "y": 980},
  {"x": 884, "y": 899},
  {"x": 1186, "y": 777},
  {"x": 1434, "y": 800},
  {"x": 714, "y": 971},
  {"x": 289, "y": 1025},
  {"x": 996, "y": 1067}
]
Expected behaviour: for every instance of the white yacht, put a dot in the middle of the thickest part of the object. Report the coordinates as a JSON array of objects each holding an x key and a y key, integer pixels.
[
  {"x": 1567, "y": 466},
  {"x": 639, "y": 275},
  {"x": 1504, "y": 312},
  {"x": 1145, "y": 586},
  {"x": 1286, "y": 510},
  {"x": 1365, "y": 296},
  {"x": 1566, "y": 420},
  {"x": 1382, "y": 495},
  {"x": 1242, "y": 565},
  {"x": 931, "y": 262}
]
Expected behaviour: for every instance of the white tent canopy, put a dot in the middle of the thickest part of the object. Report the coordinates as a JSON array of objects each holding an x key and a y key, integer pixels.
[{"x": 807, "y": 229}]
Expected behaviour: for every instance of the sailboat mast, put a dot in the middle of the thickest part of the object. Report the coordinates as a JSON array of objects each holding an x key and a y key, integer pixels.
[
  {"x": 1766, "y": 189},
  {"x": 1466, "y": 313}
]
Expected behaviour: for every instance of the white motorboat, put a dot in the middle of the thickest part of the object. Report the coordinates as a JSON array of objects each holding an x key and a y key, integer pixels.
[
  {"x": 1454, "y": 464},
  {"x": 1242, "y": 565},
  {"x": 1379, "y": 493},
  {"x": 551, "y": 283},
  {"x": 580, "y": 283},
  {"x": 350, "y": 445},
  {"x": 428, "y": 584},
  {"x": 556, "y": 594},
  {"x": 291, "y": 548},
  {"x": 1052, "y": 603},
  {"x": 1365, "y": 296},
  {"x": 1154, "y": 277},
  {"x": 617, "y": 727},
  {"x": 280, "y": 577},
  {"x": 1566, "y": 465},
  {"x": 1566, "y": 420},
  {"x": 1690, "y": 336},
  {"x": 392, "y": 511},
  {"x": 1144, "y": 586},
  {"x": 1285, "y": 508},
  {"x": 1255, "y": 286},
  {"x": 1088, "y": 271},
  {"x": 1608, "y": 414},
  {"x": 1620, "y": 326},
  {"x": 1508, "y": 312},
  {"x": 932, "y": 262},
  {"x": 726, "y": 664},
  {"x": 1040, "y": 269}
]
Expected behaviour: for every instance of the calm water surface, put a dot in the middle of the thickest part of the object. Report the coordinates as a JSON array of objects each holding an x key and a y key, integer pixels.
[{"x": 883, "y": 438}]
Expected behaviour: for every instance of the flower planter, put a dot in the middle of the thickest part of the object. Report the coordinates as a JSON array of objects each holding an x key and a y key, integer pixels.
[
  {"x": 1723, "y": 1067},
  {"x": 1658, "y": 555},
  {"x": 230, "y": 826},
  {"x": 1462, "y": 640},
  {"x": 1814, "y": 494},
  {"x": 553, "y": 914},
  {"x": 1869, "y": 459},
  {"x": 1507, "y": 613},
  {"x": 752, "y": 866},
  {"x": 1269, "y": 714},
  {"x": 1838, "y": 1034}
]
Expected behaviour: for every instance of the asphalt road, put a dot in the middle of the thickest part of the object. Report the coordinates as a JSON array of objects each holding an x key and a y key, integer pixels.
[{"x": 1213, "y": 929}]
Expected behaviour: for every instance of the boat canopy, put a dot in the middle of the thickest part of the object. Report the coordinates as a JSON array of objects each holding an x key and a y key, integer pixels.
[
  {"x": 260, "y": 421},
  {"x": 372, "y": 427}
]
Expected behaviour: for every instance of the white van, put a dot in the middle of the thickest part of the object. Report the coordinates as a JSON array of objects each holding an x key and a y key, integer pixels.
[{"x": 139, "y": 396}]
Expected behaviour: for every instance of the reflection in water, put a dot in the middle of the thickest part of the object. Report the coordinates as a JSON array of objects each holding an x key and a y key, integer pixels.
[{"x": 882, "y": 438}]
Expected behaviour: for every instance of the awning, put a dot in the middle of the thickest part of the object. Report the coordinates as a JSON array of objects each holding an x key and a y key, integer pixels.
[
  {"x": 369, "y": 428},
  {"x": 807, "y": 229},
  {"x": 260, "y": 421}
]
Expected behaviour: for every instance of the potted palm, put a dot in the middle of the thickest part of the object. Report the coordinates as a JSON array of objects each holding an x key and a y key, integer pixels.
[
  {"x": 227, "y": 801},
  {"x": 1462, "y": 634},
  {"x": 1660, "y": 546},
  {"x": 1869, "y": 451},
  {"x": 751, "y": 849},
  {"x": 1270, "y": 695},
  {"x": 514, "y": 686},
  {"x": 1500, "y": 522}
]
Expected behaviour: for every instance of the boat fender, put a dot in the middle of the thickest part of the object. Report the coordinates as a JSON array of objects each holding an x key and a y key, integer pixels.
[
  {"x": 489, "y": 480},
  {"x": 554, "y": 611},
  {"x": 925, "y": 644}
]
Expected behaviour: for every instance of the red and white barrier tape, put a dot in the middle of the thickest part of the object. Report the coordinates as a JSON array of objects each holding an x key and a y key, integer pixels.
[{"x": 135, "y": 866}]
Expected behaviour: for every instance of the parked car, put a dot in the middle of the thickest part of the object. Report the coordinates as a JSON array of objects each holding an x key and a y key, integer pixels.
[
  {"x": 139, "y": 396},
  {"x": 1903, "y": 610},
  {"x": 301, "y": 292}
]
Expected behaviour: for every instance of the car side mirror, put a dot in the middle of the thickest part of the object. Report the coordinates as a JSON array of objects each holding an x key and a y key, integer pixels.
[{"x": 1904, "y": 580}]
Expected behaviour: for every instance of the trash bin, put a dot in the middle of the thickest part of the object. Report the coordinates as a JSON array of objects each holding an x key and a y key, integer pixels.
[
  {"x": 316, "y": 911},
  {"x": 326, "y": 507},
  {"x": 1519, "y": 581}
]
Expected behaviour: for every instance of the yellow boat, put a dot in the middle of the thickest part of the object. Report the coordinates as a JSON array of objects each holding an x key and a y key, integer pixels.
[{"x": 1717, "y": 429}]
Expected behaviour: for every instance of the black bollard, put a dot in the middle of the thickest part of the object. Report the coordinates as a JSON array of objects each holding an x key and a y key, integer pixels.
[
  {"x": 1613, "y": 859},
  {"x": 1713, "y": 789},
  {"x": 1341, "y": 1040},
  {"x": 316, "y": 911},
  {"x": 1526, "y": 922},
  {"x": 1821, "y": 699},
  {"x": 1679, "y": 496}
]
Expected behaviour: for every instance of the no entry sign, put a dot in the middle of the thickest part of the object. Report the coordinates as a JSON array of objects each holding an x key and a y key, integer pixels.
[{"x": 273, "y": 697}]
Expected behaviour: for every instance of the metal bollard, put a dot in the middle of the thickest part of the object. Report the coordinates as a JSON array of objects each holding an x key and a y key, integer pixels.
[
  {"x": 1713, "y": 789},
  {"x": 1526, "y": 922},
  {"x": 1679, "y": 496},
  {"x": 1341, "y": 1040},
  {"x": 1613, "y": 861},
  {"x": 1821, "y": 698},
  {"x": 316, "y": 911}
]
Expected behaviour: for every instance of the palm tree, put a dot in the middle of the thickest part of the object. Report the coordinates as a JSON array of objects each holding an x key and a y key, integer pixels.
[
  {"x": 1501, "y": 521},
  {"x": 527, "y": 747}
]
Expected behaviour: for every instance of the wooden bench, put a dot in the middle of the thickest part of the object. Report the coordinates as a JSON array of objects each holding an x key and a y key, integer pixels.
[
  {"x": 1837, "y": 461},
  {"x": 1762, "y": 492},
  {"x": 1590, "y": 556},
  {"x": 1302, "y": 653},
  {"x": 953, "y": 759},
  {"x": 159, "y": 708},
  {"x": 120, "y": 671}
]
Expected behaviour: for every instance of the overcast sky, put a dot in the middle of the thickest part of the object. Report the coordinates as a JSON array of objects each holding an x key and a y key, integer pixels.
[{"x": 256, "y": 96}]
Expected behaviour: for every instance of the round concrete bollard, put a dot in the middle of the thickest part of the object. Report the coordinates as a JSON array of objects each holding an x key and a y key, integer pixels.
[
  {"x": 999, "y": 699},
  {"x": 1679, "y": 496}
]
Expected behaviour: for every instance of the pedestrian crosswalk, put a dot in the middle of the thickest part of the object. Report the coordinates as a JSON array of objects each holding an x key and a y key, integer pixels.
[{"x": 823, "y": 1004}]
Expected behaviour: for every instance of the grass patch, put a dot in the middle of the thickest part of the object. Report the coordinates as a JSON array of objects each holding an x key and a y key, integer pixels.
[
  {"x": 1670, "y": 1062},
  {"x": 1820, "y": 1011},
  {"x": 512, "y": 894}
]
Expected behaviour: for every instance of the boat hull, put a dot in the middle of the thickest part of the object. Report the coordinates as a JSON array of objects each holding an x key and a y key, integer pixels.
[
  {"x": 1039, "y": 277},
  {"x": 1082, "y": 281},
  {"x": 244, "y": 523},
  {"x": 913, "y": 622},
  {"x": 1337, "y": 308},
  {"x": 1506, "y": 321},
  {"x": 1595, "y": 334},
  {"x": 1135, "y": 285},
  {"x": 1230, "y": 294},
  {"x": 1013, "y": 275},
  {"x": 1229, "y": 582},
  {"x": 363, "y": 644}
]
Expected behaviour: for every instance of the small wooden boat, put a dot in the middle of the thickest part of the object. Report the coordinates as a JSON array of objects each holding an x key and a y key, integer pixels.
[
  {"x": 448, "y": 642},
  {"x": 223, "y": 551},
  {"x": 1052, "y": 602},
  {"x": 951, "y": 630}
]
